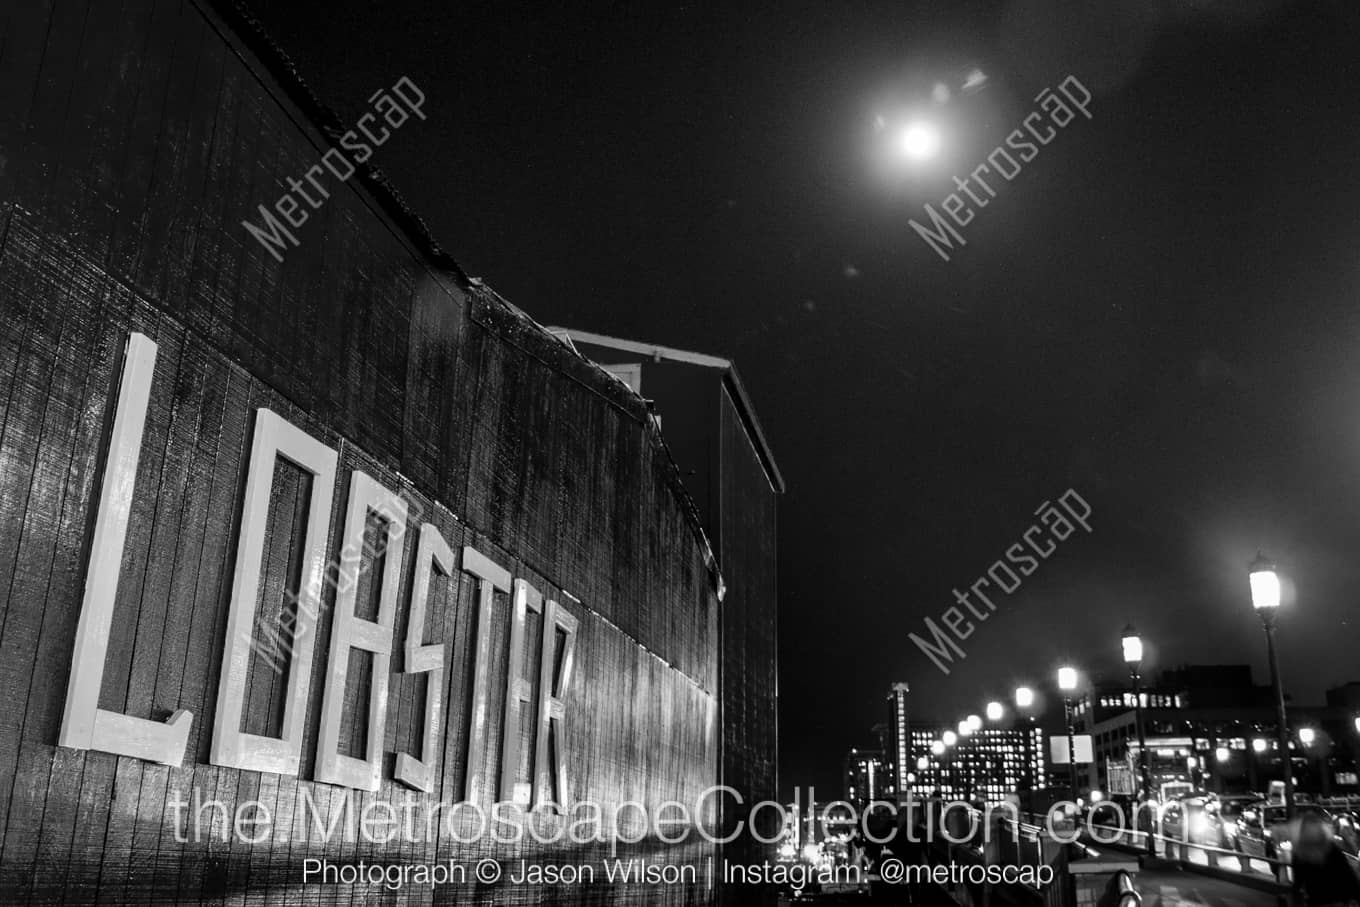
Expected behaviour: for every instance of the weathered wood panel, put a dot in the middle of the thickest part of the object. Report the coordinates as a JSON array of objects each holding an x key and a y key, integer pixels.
[
  {"x": 749, "y": 641},
  {"x": 134, "y": 139}
]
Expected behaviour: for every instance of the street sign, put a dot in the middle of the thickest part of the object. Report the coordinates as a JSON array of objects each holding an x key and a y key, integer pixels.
[
  {"x": 1120, "y": 778},
  {"x": 1058, "y": 749}
]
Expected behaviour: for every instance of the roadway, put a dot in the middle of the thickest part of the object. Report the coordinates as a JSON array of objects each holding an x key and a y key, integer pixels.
[{"x": 1172, "y": 887}]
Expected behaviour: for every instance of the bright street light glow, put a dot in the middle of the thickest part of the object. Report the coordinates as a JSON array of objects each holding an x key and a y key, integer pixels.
[
  {"x": 1067, "y": 679},
  {"x": 965, "y": 728},
  {"x": 1265, "y": 584},
  {"x": 937, "y": 747},
  {"x": 923, "y": 762},
  {"x": 994, "y": 711},
  {"x": 1265, "y": 589},
  {"x": 1133, "y": 646},
  {"x": 1222, "y": 754},
  {"x": 1307, "y": 735},
  {"x": 920, "y": 141},
  {"x": 1260, "y": 746},
  {"x": 949, "y": 738},
  {"x": 1024, "y": 698},
  {"x": 974, "y": 723}
]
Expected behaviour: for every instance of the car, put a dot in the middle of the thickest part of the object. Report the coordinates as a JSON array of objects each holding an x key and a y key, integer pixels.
[
  {"x": 1264, "y": 831},
  {"x": 1261, "y": 830},
  {"x": 1347, "y": 830},
  {"x": 1229, "y": 810},
  {"x": 1195, "y": 820}
]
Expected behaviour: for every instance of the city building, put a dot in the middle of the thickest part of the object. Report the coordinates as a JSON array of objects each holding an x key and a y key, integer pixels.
[
  {"x": 709, "y": 425},
  {"x": 1346, "y": 696},
  {"x": 928, "y": 759},
  {"x": 990, "y": 763},
  {"x": 1210, "y": 727},
  {"x": 899, "y": 736},
  {"x": 228, "y": 407},
  {"x": 868, "y": 776},
  {"x": 818, "y": 831},
  {"x": 1197, "y": 686}
]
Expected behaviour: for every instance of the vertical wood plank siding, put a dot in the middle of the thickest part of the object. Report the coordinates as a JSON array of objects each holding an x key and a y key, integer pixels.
[{"x": 134, "y": 139}]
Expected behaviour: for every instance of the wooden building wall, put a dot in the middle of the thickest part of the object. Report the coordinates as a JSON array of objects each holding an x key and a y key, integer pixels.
[
  {"x": 715, "y": 444},
  {"x": 749, "y": 632},
  {"x": 134, "y": 139}
]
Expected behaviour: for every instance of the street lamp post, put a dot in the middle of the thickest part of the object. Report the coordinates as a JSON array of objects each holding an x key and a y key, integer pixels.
[
  {"x": 950, "y": 738},
  {"x": 1024, "y": 701},
  {"x": 1258, "y": 747},
  {"x": 1265, "y": 598},
  {"x": 1133, "y": 657},
  {"x": 1067, "y": 682},
  {"x": 968, "y": 770},
  {"x": 1308, "y": 736}
]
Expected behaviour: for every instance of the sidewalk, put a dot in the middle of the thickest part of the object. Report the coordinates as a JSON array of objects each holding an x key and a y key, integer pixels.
[{"x": 1173, "y": 887}]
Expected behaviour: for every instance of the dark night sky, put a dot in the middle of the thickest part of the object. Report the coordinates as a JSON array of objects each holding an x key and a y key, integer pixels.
[{"x": 1159, "y": 311}]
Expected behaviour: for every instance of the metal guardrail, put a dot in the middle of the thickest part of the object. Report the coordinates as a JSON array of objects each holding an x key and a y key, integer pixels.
[
  {"x": 1027, "y": 841},
  {"x": 1020, "y": 844},
  {"x": 1194, "y": 857},
  {"x": 996, "y": 837}
]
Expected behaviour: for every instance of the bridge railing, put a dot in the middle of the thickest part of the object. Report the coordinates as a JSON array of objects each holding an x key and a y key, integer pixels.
[
  {"x": 1082, "y": 854},
  {"x": 1004, "y": 838},
  {"x": 1195, "y": 856}
]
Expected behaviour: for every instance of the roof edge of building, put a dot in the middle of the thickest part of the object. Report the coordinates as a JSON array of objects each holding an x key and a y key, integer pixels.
[
  {"x": 242, "y": 26},
  {"x": 247, "y": 29},
  {"x": 549, "y": 339},
  {"x": 745, "y": 407}
]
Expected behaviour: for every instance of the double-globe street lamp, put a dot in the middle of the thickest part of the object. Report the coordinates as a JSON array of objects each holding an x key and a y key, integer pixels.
[
  {"x": 1133, "y": 656},
  {"x": 1265, "y": 598}
]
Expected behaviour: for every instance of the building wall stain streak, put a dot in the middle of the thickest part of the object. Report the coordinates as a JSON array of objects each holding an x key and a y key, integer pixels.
[{"x": 134, "y": 139}]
